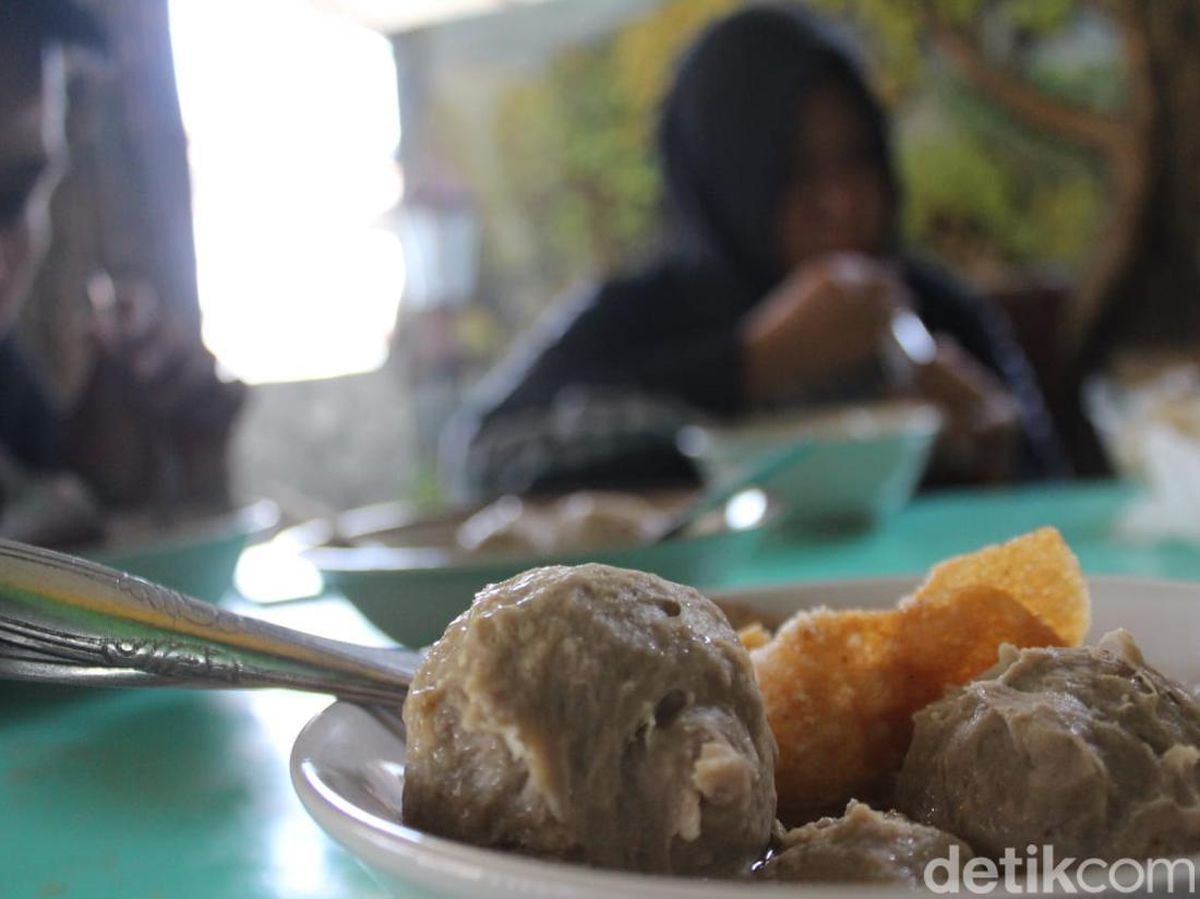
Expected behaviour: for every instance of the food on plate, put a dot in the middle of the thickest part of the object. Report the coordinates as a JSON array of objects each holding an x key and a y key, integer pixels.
[
  {"x": 576, "y": 522},
  {"x": 940, "y": 644},
  {"x": 840, "y": 687},
  {"x": 754, "y": 635},
  {"x": 1143, "y": 406},
  {"x": 509, "y": 526},
  {"x": 835, "y": 700},
  {"x": 593, "y": 714},
  {"x": 1087, "y": 749},
  {"x": 864, "y": 846},
  {"x": 586, "y": 519},
  {"x": 609, "y": 717},
  {"x": 1037, "y": 569}
]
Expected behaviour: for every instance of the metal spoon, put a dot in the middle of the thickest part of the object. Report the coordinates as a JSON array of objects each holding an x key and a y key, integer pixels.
[
  {"x": 67, "y": 620},
  {"x": 716, "y": 496}
]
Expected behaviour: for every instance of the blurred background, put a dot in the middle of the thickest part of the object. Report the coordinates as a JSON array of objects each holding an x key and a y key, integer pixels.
[{"x": 361, "y": 203}]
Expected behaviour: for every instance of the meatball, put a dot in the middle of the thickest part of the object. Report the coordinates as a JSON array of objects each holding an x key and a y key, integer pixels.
[
  {"x": 508, "y": 526},
  {"x": 584, "y": 520},
  {"x": 593, "y": 714},
  {"x": 1085, "y": 749},
  {"x": 862, "y": 846}
]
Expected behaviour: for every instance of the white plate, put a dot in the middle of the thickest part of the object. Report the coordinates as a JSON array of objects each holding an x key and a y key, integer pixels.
[{"x": 347, "y": 766}]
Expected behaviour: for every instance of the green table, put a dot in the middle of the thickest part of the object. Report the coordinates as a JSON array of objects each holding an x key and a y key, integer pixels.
[
  {"x": 946, "y": 524},
  {"x": 176, "y": 794},
  {"x": 165, "y": 793}
]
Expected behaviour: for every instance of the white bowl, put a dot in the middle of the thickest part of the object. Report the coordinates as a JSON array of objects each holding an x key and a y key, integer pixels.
[
  {"x": 347, "y": 765},
  {"x": 864, "y": 463},
  {"x": 1151, "y": 435}
]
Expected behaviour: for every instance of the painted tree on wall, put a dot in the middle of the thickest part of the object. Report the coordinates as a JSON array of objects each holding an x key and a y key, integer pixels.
[
  {"x": 1142, "y": 280},
  {"x": 988, "y": 198},
  {"x": 578, "y": 140},
  {"x": 1086, "y": 160}
]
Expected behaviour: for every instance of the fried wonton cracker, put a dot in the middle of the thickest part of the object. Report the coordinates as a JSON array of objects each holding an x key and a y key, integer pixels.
[
  {"x": 754, "y": 635},
  {"x": 950, "y": 642},
  {"x": 834, "y": 703},
  {"x": 1037, "y": 569}
]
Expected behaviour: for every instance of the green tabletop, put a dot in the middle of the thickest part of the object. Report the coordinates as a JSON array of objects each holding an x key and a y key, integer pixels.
[
  {"x": 175, "y": 794},
  {"x": 944, "y": 524}
]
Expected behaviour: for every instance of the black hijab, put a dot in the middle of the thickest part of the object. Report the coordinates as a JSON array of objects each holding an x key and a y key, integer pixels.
[{"x": 728, "y": 135}]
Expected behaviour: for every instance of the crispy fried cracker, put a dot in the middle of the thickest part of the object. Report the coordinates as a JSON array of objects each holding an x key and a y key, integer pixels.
[
  {"x": 840, "y": 688},
  {"x": 832, "y": 697},
  {"x": 950, "y": 642},
  {"x": 754, "y": 635},
  {"x": 1037, "y": 569}
]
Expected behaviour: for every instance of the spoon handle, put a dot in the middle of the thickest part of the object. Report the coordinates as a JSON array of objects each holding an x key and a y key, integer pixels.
[{"x": 67, "y": 620}]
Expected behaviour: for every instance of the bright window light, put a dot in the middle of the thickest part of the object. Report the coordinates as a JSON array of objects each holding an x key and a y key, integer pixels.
[{"x": 293, "y": 122}]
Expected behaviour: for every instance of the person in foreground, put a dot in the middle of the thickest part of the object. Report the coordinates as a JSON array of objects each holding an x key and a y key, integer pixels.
[
  {"x": 154, "y": 410},
  {"x": 776, "y": 287}
]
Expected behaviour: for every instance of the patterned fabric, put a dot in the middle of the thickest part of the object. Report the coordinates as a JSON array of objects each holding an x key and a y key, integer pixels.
[{"x": 583, "y": 439}]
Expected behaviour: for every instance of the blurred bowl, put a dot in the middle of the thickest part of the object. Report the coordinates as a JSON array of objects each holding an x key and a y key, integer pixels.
[
  {"x": 1130, "y": 413},
  {"x": 864, "y": 464},
  {"x": 407, "y": 576},
  {"x": 1149, "y": 427},
  {"x": 195, "y": 555}
]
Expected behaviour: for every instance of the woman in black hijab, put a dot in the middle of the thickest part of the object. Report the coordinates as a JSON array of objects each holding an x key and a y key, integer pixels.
[{"x": 777, "y": 284}]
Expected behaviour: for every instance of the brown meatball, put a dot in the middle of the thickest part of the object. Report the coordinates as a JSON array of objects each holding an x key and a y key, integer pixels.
[
  {"x": 593, "y": 714},
  {"x": 862, "y": 846},
  {"x": 1085, "y": 749}
]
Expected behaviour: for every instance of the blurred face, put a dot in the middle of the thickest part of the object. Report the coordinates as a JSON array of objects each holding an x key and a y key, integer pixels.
[
  {"x": 32, "y": 155},
  {"x": 838, "y": 201}
]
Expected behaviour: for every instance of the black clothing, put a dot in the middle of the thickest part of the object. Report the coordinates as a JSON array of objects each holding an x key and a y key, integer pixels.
[
  {"x": 656, "y": 341},
  {"x": 30, "y": 428}
]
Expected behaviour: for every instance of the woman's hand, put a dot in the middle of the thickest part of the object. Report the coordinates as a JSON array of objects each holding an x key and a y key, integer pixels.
[
  {"x": 825, "y": 318},
  {"x": 174, "y": 374},
  {"x": 154, "y": 420},
  {"x": 981, "y": 433}
]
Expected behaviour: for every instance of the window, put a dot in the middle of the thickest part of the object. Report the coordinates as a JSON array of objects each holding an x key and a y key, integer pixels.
[{"x": 293, "y": 122}]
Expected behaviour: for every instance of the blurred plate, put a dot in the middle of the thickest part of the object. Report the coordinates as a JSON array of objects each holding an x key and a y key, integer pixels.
[
  {"x": 195, "y": 555},
  {"x": 348, "y": 767},
  {"x": 406, "y": 577}
]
